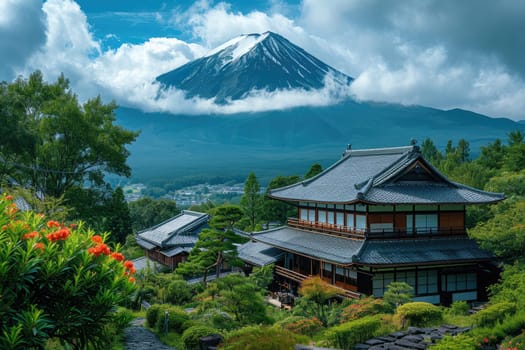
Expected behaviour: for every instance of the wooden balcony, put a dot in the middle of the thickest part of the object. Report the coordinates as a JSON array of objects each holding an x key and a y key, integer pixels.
[
  {"x": 350, "y": 232},
  {"x": 334, "y": 229},
  {"x": 298, "y": 277}
]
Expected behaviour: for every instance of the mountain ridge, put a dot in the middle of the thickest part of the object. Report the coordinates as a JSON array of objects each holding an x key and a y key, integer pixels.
[{"x": 248, "y": 63}]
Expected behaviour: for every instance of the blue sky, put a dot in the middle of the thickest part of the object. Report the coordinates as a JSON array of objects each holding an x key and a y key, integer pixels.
[{"x": 440, "y": 53}]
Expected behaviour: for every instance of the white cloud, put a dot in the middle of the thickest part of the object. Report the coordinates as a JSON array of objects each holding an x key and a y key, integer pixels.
[
  {"x": 22, "y": 32},
  {"x": 406, "y": 52}
]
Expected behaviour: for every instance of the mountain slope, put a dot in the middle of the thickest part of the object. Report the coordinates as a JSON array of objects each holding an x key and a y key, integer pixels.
[
  {"x": 288, "y": 142},
  {"x": 251, "y": 62}
]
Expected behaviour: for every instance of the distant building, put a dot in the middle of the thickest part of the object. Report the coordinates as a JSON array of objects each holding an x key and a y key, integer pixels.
[
  {"x": 378, "y": 216},
  {"x": 171, "y": 241}
]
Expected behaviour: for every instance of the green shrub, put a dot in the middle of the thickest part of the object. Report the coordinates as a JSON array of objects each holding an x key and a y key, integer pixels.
[
  {"x": 57, "y": 281},
  {"x": 511, "y": 343},
  {"x": 346, "y": 335},
  {"x": 152, "y": 315},
  {"x": 363, "y": 307},
  {"x": 494, "y": 313},
  {"x": 301, "y": 325},
  {"x": 191, "y": 336},
  {"x": 461, "y": 341},
  {"x": 419, "y": 314},
  {"x": 179, "y": 292},
  {"x": 262, "y": 338},
  {"x": 459, "y": 308},
  {"x": 177, "y": 318}
]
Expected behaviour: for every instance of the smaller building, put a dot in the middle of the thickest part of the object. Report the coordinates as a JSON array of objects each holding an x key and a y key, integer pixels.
[{"x": 171, "y": 241}]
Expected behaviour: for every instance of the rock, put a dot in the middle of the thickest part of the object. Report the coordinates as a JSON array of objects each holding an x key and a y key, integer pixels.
[
  {"x": 398, "y": 335},
  {"x": 374, "y": 341},
  {"x": 387, "y": 339},
  {"x": 361, "y": 346},
  {"x": 416, "y": 330},
  {"x": 408, "y": 344},
  {"x": 413, "y": 338}
]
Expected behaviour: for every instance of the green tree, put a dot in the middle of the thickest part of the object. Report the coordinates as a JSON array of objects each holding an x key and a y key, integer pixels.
[
  {"x": 118, "y": 220},
  {"x": 57, "y": 282},
  {"x": 251, "y": 200},
  {"x": 274, "y": 210},
  {"x": 397, "y": 293},
  {"x": 241, "y": 298},
  {"x": 315, "y": 169},
  {"x": 147, "y": 212},
  {"x": 430, "y": 152},
  {"x": 70, "y": 144},
  {"x": 216, "y": 246},
  {"x": 225, "y": 216},
  {"x": 503, "y": 233},
  {"x": 318, "y": 294}
]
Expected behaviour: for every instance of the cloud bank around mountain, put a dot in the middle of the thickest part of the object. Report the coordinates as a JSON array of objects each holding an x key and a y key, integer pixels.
[{"x": 443, "y": 54}]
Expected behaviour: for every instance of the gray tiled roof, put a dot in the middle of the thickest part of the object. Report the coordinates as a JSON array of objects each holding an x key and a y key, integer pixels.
[
  {"x": 418, "y": 251},
  {"x": 324, "y": 247},
  {"x": 164, "y": 234},
  {"x": 174, "y": 251},
  {"x": 258, "y": 253},
  {"x": 370, "y": 176}
]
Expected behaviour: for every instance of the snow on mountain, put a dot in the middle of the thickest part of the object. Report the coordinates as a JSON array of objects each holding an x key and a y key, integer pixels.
[{"x": 252, "y": 62}]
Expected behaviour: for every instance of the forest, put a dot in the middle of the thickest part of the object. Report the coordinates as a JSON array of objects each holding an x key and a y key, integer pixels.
[{"x": 67, "y": 240}]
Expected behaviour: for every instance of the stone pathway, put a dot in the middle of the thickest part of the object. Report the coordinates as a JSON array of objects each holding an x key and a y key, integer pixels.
[
  {"x": 414, "y": 338},
  {"x": 137, "y": 337}
]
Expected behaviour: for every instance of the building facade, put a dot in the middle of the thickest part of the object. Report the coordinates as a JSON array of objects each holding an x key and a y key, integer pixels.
[
  {"x": 171, "y": 241},
  {"x": 378, "y": 216}
]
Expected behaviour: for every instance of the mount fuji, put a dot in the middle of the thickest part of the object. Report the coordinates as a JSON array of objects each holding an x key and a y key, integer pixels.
[
  {"x": 286, "y": 141},
  {"x": 251, "y": 63}
]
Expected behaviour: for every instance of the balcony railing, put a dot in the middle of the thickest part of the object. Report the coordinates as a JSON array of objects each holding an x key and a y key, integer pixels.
[
  {"x": 338, "y": 230},
  {"x": 351, "y": 232},
  {"x": 299, "y": 277}
]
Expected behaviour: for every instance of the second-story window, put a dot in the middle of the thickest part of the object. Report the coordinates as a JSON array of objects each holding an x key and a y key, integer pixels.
[{"x": 422, "y": 223}]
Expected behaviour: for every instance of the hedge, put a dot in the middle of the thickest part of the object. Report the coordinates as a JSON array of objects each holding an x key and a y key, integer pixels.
[
  {"x": 346, "y": 335},
  {"x": 419, "y": 314}
]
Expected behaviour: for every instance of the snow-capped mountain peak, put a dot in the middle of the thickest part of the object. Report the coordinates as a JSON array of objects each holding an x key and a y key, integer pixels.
[{"x": 251, "y": 62}]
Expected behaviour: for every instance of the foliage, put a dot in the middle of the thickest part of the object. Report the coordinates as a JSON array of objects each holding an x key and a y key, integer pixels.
[
  {"x": 261, "y": 338},
  {"x": 346, "y": 335},
  {"x": 240, "y": 297},
  {"x": 315, "y": 169},
  {"x": 225, "y": 217},
  {"x": 397, "y": 293},
  {"x": 318, "y": 293},
  {"x": 191, "y": 336},
  {"x": 363, "y": 307},
  {"x": 179, "y": 292},
  {"x": 57, "y": 281},
  {"x": 147, "y": 212},
  {"x": 262, "y": 276},
  {"x": 512, "y": 286},
  {"x": 494, "y": 313},
  {"x": 152, "y": 315},
  {"x": 514, "y": 343},
  {"x": 419, "y": 314},
  {"x": 251, "y": 201},
  {"x": 503, "y": 234},
  {"x": 461, "y": 341},
  {"x": 62, "y": 146},
  {"x": 301, "y": 325},
  {"x": 274, "y": 210},
  {"x": 176, "y": 317},
  {"x": 458, "y": 308},
  {"x": 213, "y": 249}
]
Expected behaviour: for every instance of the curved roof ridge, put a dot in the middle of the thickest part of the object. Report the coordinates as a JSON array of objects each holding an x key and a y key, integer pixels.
[
  {"x": 396, "y": 165},
  {"x": 378, "y": 151},
  {"x": 501, "y": 195}
]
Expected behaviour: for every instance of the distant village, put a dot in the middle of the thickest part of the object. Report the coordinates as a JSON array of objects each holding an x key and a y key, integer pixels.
[{"x": 192, "y": 195}]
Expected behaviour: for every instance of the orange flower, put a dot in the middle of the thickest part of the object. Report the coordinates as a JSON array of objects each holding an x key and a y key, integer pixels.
[
  {"x": 59, "y": 235},
  {"x": 132, "y": 279},
  {"x": 128, "y": 264},
  {"x": 129, "y": 267},
  {"x": 99, "y": 249},
  {"x": 30, "y": 235},
  {"x": 9, "y": 197},
  {"x": 39, "y": 245},
  {"x": 96, "y": 239},
  {"x": 117, "y": 256},
  {"x": 52, "y": 223}
]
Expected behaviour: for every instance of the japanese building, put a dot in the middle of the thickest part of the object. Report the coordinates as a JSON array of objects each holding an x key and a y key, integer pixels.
[
  {"x": 171, "y": 241},
  {"x": 378, "y": 216}
]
